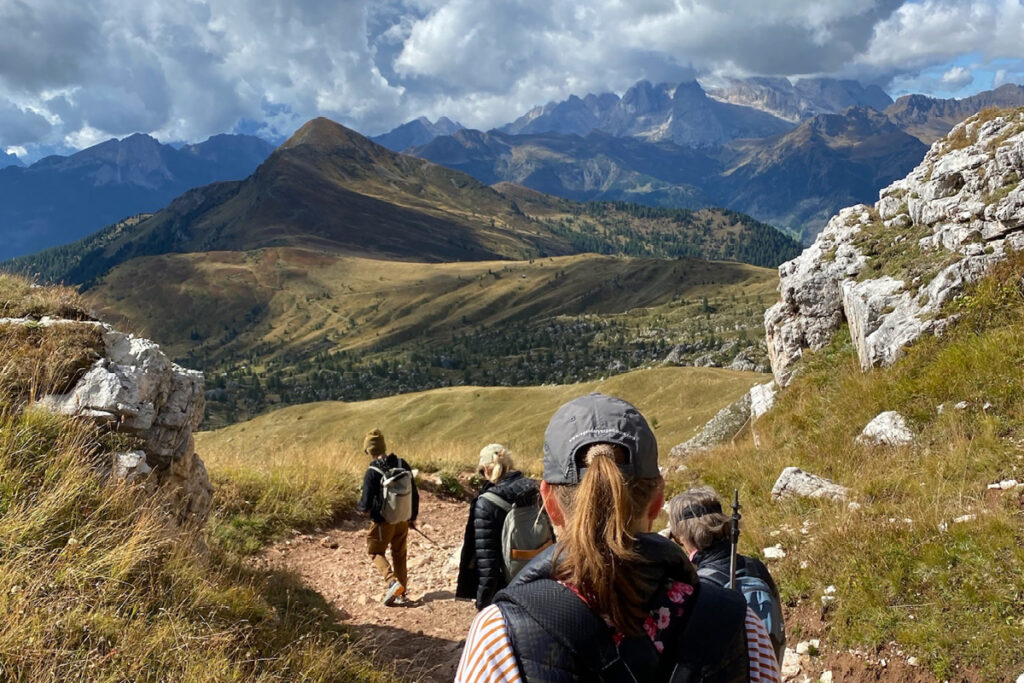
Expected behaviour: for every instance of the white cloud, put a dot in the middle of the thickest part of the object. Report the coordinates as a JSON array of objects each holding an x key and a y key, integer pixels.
[
  {"x": 956, "y": 78},
  {"x": 186, "y": 69}
]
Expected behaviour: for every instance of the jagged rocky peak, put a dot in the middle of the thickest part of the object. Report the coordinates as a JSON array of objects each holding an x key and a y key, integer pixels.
[
  {"x": 133, "y": 388},
  {"x": 886, "y": 270}
]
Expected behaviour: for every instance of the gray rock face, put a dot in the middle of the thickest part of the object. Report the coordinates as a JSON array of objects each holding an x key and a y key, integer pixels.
[
  {"x": 136, "y": 389},
  {"x": 968, "y": 203},
  {"x": 762, "y": 399},
  {"x": 719, "y": 429},
  {"x": 887, "y": 429},
  {"x": 795, "y": 483}
]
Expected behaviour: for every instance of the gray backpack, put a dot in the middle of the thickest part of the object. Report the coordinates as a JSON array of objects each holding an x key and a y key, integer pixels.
[
  {"x": 396, "y": 494},
  {"x": 524, "y": 534}
]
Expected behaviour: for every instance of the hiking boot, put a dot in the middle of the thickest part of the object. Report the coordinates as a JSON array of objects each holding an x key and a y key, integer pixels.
[{"x": 394, "y": 591}]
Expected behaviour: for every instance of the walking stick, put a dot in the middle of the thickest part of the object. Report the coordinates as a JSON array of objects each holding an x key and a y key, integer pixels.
[
  {"x": 416, "y": 529},
  {"x": 735, "y": 537}
]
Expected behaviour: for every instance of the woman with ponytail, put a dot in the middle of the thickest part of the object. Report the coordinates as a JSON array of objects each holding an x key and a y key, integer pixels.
[{"x": 611, "y": 601}]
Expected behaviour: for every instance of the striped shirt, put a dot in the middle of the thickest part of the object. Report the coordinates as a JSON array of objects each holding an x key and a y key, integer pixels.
[{"x": 488, "y": 656}]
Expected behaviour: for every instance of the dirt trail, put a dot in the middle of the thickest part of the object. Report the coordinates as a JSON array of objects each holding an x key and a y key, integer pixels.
[{"x": 424, "y": 640}]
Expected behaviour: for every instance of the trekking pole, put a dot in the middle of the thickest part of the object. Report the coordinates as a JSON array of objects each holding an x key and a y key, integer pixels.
[
  {"x": 416, "y": 529},
  {"x": 735, "y": 537}
]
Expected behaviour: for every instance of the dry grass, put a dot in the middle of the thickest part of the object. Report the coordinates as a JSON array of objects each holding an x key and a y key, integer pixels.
[
  {"x": 96, "y": 584},
  {"x": 301, "y": 467},
  {"x": 946, "y": 592},
  {"x": 19, "y": 298}
]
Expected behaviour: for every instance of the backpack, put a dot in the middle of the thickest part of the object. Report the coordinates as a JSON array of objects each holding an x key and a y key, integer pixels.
[
  {"x": 524, "y": 534},
  {"x": 759, "y": 599},
  {"x": 396, "y": 494}
]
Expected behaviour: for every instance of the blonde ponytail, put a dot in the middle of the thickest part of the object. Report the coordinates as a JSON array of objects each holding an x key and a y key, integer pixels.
[{"x": 602, "y": 514}]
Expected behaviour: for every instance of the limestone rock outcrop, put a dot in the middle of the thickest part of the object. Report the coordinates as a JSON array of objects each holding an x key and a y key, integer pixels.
[
  {"x": 795, "y": 483},
  {"x": 134, "y": 388},
  {"x": 887, "y": 429},
  {"x": 722, "y": 427},
  {"x": 886, "y": 270}
]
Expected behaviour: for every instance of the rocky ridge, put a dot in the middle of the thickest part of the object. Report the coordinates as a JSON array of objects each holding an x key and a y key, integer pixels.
[
  {"x": 134, "y": 388},
  {"x": 886, "y": 270}
]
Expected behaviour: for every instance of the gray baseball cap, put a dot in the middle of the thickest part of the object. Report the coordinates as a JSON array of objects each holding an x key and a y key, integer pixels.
[{"x": 597, "y": 418}]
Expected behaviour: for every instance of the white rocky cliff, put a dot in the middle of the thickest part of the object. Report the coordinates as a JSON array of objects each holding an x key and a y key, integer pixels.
[
  {"x": 886, "y": 270},
  {"x": 135, "y": 389}
]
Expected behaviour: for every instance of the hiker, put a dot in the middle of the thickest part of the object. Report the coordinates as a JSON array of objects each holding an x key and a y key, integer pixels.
[
  {"x": 699, "y": 525},
  {"x": 611, "y": 601},
  {"x": 391, "y": 500},
  {"x": 483, "y": 568}
]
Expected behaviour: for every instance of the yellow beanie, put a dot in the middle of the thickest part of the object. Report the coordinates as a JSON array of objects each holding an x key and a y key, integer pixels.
[{"x": 373, "y": 444}]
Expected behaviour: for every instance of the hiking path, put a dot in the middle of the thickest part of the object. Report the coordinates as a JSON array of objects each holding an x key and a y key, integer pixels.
[{"x": 422, "y": 641}]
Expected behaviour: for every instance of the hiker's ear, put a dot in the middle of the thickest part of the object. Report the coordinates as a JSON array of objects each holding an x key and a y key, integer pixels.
[
  {"x": 551, "y": 504},
  {"x": 657, "y": 503}
]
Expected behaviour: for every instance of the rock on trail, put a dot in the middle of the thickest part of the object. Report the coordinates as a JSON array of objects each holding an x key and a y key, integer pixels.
[{"x": 423, "y": 641}]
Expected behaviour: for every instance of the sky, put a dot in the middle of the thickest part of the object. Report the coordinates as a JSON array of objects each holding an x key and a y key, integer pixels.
[{"x": 76, "y": 73}]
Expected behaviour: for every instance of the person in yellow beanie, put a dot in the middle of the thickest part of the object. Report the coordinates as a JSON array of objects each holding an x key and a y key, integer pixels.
[{"x": 391, "y": 500}]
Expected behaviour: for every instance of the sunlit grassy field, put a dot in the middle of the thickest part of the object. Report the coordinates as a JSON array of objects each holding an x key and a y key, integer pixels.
[{"x": 301, "y": 466}]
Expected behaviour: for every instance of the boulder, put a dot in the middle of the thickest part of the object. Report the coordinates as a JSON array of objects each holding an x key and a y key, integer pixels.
[
  {"x": 795, "y": 483},
  {"x": 887, "y": 429},
  {"x": 762, "y": 398},
  {"x": 719, "y": 429},
  {"x": 136, "y": 388}
]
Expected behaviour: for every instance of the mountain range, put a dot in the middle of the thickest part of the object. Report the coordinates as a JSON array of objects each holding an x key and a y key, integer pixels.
[
  {"x": 788, "y": 153},
  {"x": 417, "y": 132},
  {"x": 61, "y": 199},
  {"x": 9, "y": 160}
]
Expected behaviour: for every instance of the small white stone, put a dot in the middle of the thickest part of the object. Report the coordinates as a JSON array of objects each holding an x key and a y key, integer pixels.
[
  {"x": 997, "y": 485},
  {"x": 1008, "y": 484},
  {"x": 1020, "y": 679},
  {"x": 962, "y": 405},
  {"x": 773, "y": 553},
  {"x": 965, "y": 518},
  {"x": 830, "y": 590},
  {"x": 912, "y": 661},
  {"x": 826, "y": 677},
  {"x": 988, "y": 406},
  {"x": 853, "y": 506},
  {"x": 804, "y": 564}
]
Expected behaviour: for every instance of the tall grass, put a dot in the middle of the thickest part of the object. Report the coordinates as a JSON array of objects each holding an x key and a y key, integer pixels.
[
  {"x": 96, "y": 582},
  {"x": 906, "y": 573}
]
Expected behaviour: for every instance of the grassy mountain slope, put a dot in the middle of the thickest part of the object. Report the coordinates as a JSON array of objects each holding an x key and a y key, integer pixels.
[
  {"x": 316, "y": 325},
  {"x": 95, "y": 583},
  {"x": 299, "y": 466},
  {"x": 930, "y": 562},
  {"x": 330, "y": 189}
]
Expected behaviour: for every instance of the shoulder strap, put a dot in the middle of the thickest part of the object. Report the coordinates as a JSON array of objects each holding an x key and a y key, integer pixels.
[
  {"x": 713, "y": 643},
  {"x": 715, "y": 575},
  {"x": 378, "y": 471},
  {"x": 497, "y": 500}
]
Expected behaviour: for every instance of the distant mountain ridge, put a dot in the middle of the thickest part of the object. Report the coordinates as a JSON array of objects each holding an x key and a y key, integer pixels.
[
  {"x": 929, "y": 118},
  {"x": 681, "y": 113},
  {"x": 417, "y": 132},
  {"x": 10, "y": 160},
  {"x": 795, "y": 101},
  {"x": 331, "y": 190},
  {"x": 61, "y": 199},
  {"x": 796, "y": 179}
]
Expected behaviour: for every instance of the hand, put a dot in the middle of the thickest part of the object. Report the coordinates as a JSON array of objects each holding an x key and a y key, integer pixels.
[{"x": 412, "y": 523}]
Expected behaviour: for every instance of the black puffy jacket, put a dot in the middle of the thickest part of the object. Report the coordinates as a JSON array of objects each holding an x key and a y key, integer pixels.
[
  {"x": 481, "y": 567},
  {"x": 558, "y": 639}
]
